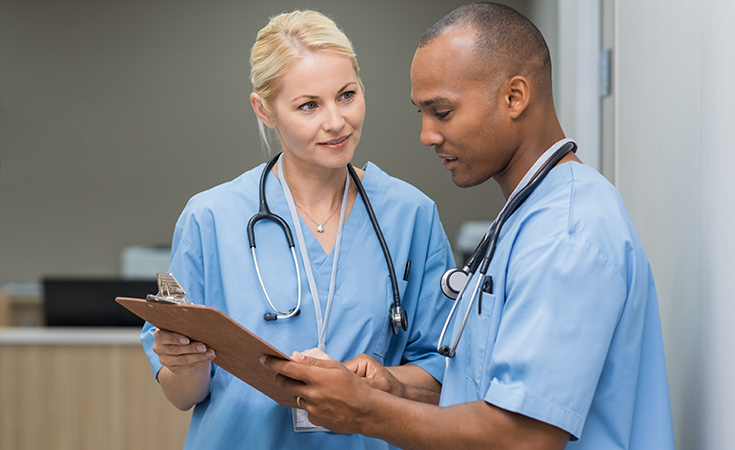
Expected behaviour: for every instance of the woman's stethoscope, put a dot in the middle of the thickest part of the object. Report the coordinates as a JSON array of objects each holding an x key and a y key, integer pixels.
[
  {"x": 454, "y": 282},
  {"x": 397, "y": 314}
]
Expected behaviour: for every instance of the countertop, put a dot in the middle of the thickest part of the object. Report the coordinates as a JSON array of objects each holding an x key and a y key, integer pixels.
[{"x": 69, "y": 336}]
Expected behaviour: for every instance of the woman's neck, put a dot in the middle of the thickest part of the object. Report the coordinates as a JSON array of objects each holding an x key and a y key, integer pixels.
[{"x": 317, "y": 190}]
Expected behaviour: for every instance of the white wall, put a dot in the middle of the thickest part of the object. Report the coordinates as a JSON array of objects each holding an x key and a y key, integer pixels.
[
  {"x": 674, "y": 87},
  {"x": 577, "y": 75}
]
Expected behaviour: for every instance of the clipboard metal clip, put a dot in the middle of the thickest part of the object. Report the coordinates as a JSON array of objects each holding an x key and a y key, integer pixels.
[{"x": 169, "y": 291}]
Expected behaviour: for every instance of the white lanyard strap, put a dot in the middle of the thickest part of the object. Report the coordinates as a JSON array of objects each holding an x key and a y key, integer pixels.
[{"x": 320, "y": 323}]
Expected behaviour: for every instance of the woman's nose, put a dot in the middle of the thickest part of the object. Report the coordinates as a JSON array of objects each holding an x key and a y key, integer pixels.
[{"x": 334, "y": 120}]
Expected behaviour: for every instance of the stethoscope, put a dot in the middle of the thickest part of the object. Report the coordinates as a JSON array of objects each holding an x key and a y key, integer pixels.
[
  {"x": 397, "y": 314},
  {"x": 454, "y": 282}
]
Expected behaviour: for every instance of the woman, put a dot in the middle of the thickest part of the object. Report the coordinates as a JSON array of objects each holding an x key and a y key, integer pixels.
[{"x": 307, "y": 89}]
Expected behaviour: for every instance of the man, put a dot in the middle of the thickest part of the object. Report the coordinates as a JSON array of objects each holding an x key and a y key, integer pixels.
[{"x": 565, "y": 349}]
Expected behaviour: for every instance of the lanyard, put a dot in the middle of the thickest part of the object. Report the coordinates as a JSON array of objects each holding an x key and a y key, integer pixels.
[{"x": 321, "y": 323}]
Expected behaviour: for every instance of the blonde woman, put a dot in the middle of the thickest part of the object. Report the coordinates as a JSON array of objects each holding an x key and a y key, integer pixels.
[{"x": 307, "y": 90}]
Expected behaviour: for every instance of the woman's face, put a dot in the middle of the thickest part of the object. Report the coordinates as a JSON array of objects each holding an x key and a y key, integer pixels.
[{"x": 320, "y": 110}]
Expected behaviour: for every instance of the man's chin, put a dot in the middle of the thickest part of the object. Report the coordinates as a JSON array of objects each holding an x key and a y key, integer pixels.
[{"x": 464, "y": 182}]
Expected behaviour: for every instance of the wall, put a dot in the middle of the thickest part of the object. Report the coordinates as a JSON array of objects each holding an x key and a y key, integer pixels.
[
  {"x": 675, "y": 157},
  {"x": 113, "y": 114}
]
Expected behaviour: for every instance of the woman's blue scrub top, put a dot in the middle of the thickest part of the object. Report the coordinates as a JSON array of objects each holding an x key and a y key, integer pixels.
[
  {"x": 571, "y": 334},
  {"x": 213, "y": 262}
]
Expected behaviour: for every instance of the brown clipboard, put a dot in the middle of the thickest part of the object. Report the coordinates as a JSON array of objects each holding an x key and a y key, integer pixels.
[{"x": 237, "y": 350}]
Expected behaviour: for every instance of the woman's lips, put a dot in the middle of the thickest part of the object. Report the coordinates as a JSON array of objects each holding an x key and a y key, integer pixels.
[{"x": 337, "y": 143}]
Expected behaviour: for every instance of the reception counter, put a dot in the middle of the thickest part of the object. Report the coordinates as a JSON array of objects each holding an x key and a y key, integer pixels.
[{"x": 82, "y": 388}]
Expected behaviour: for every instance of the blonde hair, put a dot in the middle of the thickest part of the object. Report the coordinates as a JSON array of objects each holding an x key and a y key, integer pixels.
[{"x": 281, "y": 43}]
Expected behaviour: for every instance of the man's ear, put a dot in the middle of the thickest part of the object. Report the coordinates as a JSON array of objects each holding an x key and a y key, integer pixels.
[
  {"x": 260, "y": 111},
  {"x": 517, "y": 96}
]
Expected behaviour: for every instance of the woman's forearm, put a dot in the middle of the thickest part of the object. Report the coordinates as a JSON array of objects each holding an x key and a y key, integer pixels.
[{"x": 184, "y": 391}]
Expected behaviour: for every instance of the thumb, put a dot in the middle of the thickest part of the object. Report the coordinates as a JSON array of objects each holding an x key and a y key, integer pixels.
[
  {"x": 304, "y": 359},
  {"x": 316, "y": 353}
]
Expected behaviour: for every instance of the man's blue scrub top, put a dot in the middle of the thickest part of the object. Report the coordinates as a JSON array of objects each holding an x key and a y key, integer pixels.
[{"x": 571, "y": 335}]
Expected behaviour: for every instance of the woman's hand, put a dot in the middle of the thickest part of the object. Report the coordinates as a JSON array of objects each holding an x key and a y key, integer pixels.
[
  {"x": 376, "y": 375},
  {"x": 184, "y": 377},
  {"x": 181, "y": 356},
  {"x": 407, "y": 381}
]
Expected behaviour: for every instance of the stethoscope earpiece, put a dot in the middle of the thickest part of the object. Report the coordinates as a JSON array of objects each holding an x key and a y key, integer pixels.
[
  {"x": 270, "y": 317},
  {"x": 444, "y": 350}
]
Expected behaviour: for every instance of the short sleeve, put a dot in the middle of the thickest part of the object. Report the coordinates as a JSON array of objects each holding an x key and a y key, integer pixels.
[
  {"x": 186, "y": 265},
  {"x": 563, "y": 301},
  {"x": 433, "y": 306}
]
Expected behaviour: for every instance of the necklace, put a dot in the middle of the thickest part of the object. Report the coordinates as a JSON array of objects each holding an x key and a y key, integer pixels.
[{"x": 319, "y": 226}]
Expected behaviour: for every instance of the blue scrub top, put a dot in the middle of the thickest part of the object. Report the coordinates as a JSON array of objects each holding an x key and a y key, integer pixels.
[
  {"x": 213, "y": 262},
  {"x": 571, "y": 334}
]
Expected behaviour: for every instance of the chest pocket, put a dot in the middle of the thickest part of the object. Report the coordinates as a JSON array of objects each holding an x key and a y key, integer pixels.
[
  {"x": 482, "y": 329},
  {"x": 384, "y": 338}
]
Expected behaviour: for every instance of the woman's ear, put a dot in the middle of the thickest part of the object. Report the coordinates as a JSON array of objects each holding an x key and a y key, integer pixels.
[
  {"x": 260, "y": 111},
  {"x": 517, "y": 96}
]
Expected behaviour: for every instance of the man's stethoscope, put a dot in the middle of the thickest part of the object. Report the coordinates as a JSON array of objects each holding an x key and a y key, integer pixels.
[
  {"x": 397, "y": 314},
  {"x": 454, "y": 282}
]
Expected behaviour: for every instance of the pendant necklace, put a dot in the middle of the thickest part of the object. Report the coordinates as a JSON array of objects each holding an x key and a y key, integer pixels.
[{"x": 319, "y": 226}]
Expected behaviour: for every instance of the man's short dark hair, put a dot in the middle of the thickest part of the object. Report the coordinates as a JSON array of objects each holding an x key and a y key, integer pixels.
[{"x": 507, "y": 43}]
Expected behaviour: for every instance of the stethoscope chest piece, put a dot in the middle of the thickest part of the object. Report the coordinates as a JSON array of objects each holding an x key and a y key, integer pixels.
[
  {"x": 398, "y": 319},
  {"x": 397, "y": 315},
  {"x": 452, "y": 282}
]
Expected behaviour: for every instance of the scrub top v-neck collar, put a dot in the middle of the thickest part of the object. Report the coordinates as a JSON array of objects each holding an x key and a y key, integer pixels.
[{"x": 353, "y": 226}]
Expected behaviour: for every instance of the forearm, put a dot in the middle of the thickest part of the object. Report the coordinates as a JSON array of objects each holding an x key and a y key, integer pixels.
[
  {"x": 184, "y": 391},
  {"x": 340, "y": 399},
  {"x": 419, "y": 385},
  {"x": 476, "y": 425}
]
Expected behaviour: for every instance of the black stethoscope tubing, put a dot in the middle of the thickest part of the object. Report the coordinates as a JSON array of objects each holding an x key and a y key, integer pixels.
[
  {"x": 488, "y": 244},
  {"x": 398, "y": 315}
]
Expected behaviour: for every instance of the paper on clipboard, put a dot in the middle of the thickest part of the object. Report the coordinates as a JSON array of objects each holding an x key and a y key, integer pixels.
[{"x": 237, "y": 350}]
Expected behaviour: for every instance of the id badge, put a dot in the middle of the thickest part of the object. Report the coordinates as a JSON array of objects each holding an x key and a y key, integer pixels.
[{"x": 301, "y": 422}]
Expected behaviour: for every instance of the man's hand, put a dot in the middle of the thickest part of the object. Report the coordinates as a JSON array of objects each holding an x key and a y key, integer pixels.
[{"x": 334, "y": 396}]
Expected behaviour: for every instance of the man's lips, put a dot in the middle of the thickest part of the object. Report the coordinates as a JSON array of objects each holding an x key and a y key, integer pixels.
[
  {"x": 446, "y": 157},
  {"x": 449, "y": 161}
]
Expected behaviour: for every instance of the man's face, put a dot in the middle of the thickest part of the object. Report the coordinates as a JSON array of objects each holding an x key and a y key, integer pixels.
[{"x": 462, "y": 114}]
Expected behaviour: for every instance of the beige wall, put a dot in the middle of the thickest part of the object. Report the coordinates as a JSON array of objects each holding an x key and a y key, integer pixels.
[{"x": 112, "y": 114}]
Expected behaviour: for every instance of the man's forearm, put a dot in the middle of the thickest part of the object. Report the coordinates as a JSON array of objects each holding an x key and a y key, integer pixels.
[{"x": 476, "y": 425}]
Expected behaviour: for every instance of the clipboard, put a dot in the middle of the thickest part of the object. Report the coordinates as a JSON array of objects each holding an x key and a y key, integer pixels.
[{"x": 237, "y": 350}]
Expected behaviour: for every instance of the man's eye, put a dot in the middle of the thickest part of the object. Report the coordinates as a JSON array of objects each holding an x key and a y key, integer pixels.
[{"x": 442, "y": 114}]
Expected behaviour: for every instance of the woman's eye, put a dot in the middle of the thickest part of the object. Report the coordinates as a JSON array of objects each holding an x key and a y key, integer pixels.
[
  {"x": 308, "y": 106},
  {"x": 349, "y": 95},
  {"x": 442, "y": 115}
]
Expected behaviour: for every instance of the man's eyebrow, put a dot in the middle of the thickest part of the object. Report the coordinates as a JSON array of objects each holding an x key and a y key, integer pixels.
[{"x": 431, "y": 101}]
